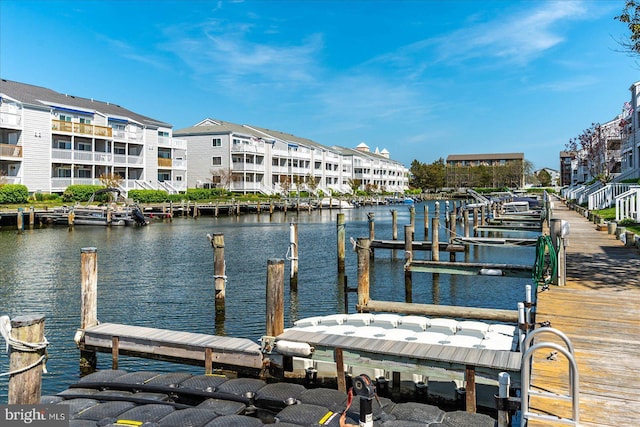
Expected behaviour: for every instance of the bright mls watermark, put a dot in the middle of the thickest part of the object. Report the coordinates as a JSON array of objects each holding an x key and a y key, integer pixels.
[{"x": 34, "y": 415}]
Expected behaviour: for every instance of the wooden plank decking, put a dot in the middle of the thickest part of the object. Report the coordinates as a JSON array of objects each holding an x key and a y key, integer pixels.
[
  {"x": 599, "y": 310},
  {"x": 175, "y": 346}
]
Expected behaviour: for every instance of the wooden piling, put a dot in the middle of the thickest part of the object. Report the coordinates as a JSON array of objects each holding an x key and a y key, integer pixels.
[
  {"x": 412, "y": 220},
  {"x": 362, "y": 246},
  {"x": 219, "y": 275},
  {"x": 88, "y": 300},
  {"x": 465, "y": 224},
  {"x": 275, "y": 297},
  {"x": 470, "y": 389},
  {"x": 372, "y": 233},
  {"x": 293, "y": 251},
  {"x": 435, "y": 236},
  {"x": 32, "y": 217},
  {"x": 504, "y": 381},
  {"x": 482, "y": 214},
  {"x": 426, "y": 221},
  {"x": 341, "y": 245},
  {"x": 408, "y": 257},
  {"x": 394, "y": 224},
  {"x": 20, "y": 219},
  {"x": 25, "y": 387}
]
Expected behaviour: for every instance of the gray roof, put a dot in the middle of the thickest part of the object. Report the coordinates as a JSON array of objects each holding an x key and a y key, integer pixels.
[
  {"x": 45, "y": 98},
  {"x": 488, "y": 156},
  {"x": 211, "y": 126}
]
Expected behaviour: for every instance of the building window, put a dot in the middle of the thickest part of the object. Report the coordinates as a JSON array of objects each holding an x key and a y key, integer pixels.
[
  {"x": 216, "y": 142},
  {"x": 216, "y": 161},
  {"x": 85, "y": 121},
  {"x": 64, "y": 118},
  {"x": 163, "y": 133},
  {"x": 62, "y": 145}
]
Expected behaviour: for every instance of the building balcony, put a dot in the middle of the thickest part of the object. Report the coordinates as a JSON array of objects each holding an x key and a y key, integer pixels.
[
  {"x": 168, "y": 142},
  {"x": 10, "y": 119},
  {"x": 128, "y": 135},
  {"x": 164, "y": 163},
  {"x": 81, "y": 129},
  {"x": 11, "y": 151}
]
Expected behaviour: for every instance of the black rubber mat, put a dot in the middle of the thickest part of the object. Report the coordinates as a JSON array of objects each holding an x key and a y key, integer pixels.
[
  {"x": 203, "y": 382},
  {"x": 75, "y": 391},
  {"x": 147, "y": 413},
  {"x": 379, "y": 409},
  {"x": 78, "y": 405},
  {"x": 223, "y": 407},
  {"x": 466, "y": 419},
  {"x": 240, "y": 386},
  {"x": 334, "y": 400},
  {"x": 82, "y": 423},
  {"x": 48, "y": 399},
  {"x": 235, "y": 421},
  {"x": 311, "y": 415},
  {"x": 137, "y": 377},
  {"x": 106, "y": 375},
  {"x": 278, "y": 395},
  {"x": 104, "y": 410},
  {"x": 171, "y": 379},
  {"x": 192, "y": 417},
  {"x": 411, "y": 411}
]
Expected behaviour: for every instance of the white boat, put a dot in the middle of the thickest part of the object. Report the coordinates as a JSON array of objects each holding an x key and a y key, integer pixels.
[{"x": 330, "y": 203}]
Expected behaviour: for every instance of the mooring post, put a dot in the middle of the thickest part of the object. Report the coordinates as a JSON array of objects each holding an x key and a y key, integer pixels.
[
  {"x": 426, "y": 222},
  {"x": 293, "y": 245},
  {"x": 435, "y": 248},
  {"x": 504, "y": 382},
  {"x": 341, "y": 245},
  {"x": 408, "y": 257},
  {"x": 32, "y": 217},
  {"x": 275, "y": 297},
  {"x": 20, "y": 219},
  {"x": 89, "y": 300},
  {"x": 362, "y": 246},
  {"x": 26, "y": 358},
  {"x": 452, "y": 224},
  {"x": 219, "y": 275},
  {"x": 465, "y": 225},
  {"x": 372, "y": 233},
  {"x": 482, "y": 214},
  {"x": 394, "y": 224},
  {"x": 475, "y": 222},
  {"x": 412, "y": 220},
  {"x": 470, "y": 388}
]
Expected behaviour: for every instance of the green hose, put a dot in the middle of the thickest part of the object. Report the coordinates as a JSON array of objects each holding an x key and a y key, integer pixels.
[{"x": 546, "y": 263}]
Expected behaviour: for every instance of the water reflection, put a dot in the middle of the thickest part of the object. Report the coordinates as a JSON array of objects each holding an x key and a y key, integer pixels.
[{"x": 162, "y": 276}]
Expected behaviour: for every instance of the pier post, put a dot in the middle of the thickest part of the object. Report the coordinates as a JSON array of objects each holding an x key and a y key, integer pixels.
[
  {"x": 88, "y": 301},
  {"x": 362, "y": 246},
  {"x": 341, "y": 246},
  {"x": 483, "y": 209},
  {"x": 20, "y": 219},
  {"x": 452, "y": 224},
  {"x": 293, "y": 245},
  {"x": 275, "y": 297},
  {"x": 504, "y": 381},
  {"x": 219, "y": 275},
  {"x": 555, "y": 231},
  {"x": 25, "y": 387},
  {"x": 435, "y": 248},
  {"x": 470, "y": 388},
  {"x": 32, "y": 217},
  {"x": 475, "y": 222},
  {"x": 426, "y": 221},
  {"x": 394, "y": 224},
  {"x": 408, "y": 257},
  {"x": 412, "y": 220},
  {"x": 465, "y": 225},
  {"x": 372, "y": 233}
]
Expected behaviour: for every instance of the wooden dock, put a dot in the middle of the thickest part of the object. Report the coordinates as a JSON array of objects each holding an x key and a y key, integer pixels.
[
  {"x": 416, "y": 246},
  {"x": 174, "y": 346},
  {"x": 599, "y": 310}
]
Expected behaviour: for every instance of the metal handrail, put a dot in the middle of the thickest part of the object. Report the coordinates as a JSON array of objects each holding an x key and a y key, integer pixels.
[{"x": 526, "y": 378}]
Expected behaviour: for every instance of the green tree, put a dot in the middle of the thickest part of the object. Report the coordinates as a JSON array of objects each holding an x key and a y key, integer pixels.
[
  {"x": 631, "y": 17},
  {"x": 354, "y": 184},
  {"x": 544, "y": 178},
  {"x": 427, "y": 176}
]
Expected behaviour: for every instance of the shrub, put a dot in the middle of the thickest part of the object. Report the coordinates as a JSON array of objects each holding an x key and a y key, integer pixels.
[
  {"x": 14, "y": 193},
  {"x": 148, "y": 196},
  {"x": 626, "y": 222},
  {"x": 82, "y": 193}
]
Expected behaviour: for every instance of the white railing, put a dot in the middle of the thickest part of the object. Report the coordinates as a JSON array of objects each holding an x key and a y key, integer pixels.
[
  {"x": 628, "y": 205},
  {"x": 11, "y": 179},
  {"x": 102, "y": 157},
  {"x": 10, "y": 119},
  {"x": 582, "y": 196},
  {"x": 605, "y": 196},
  {"x": 120, "y": 159},
  {"x": 179, "y": 164},
  {"x": 61, "y": 154},
  {"x": 135, "y": 160},
  {"x": 85, "y": 156}
]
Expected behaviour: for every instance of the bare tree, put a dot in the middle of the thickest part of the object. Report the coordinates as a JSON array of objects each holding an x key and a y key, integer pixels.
[
  {"x": 111, "y": 180},
  {"x": 312, "y": 182},
  {"x": 354, "y": 184},
  {"x": 221, "y": 176},
  {"x": 592, "y": 149},
  {"x": 285, "y": 184}
]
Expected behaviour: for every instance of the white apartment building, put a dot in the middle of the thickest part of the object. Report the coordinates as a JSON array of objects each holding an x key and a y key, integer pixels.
[
  {"x": 631, "y": 136},
  {"x": 50, "y": 140},
  {"x": 250, "y": 159}
]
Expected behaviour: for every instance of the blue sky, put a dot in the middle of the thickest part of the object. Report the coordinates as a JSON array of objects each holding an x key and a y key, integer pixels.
[{"x": 423, "y": 79}]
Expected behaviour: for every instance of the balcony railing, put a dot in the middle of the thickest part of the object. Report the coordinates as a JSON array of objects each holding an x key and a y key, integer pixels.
[
  {"x": 11, "y": 150},
  {"x": 164, "y": 163},
  {"x": 10, "y": 119},
  {"x": 81, "y": 128},
  {"x": 166, "y": 141},
  {"x": 129, "y": 135}
]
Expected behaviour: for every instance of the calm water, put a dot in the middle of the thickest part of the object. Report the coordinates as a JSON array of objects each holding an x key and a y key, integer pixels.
[{"x": 162, "y": 276}]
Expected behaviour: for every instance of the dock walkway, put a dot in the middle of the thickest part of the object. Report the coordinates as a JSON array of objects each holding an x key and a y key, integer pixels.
[{"x": 599, "y": 310}]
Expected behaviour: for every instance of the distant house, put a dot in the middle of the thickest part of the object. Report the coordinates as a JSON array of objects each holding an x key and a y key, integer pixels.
[
  {"x": 630, "y": 134},
  {"x": 553, "y": 174},
  {"x": 566, "y": 167},
  {"x": 485, "y": 170}
]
